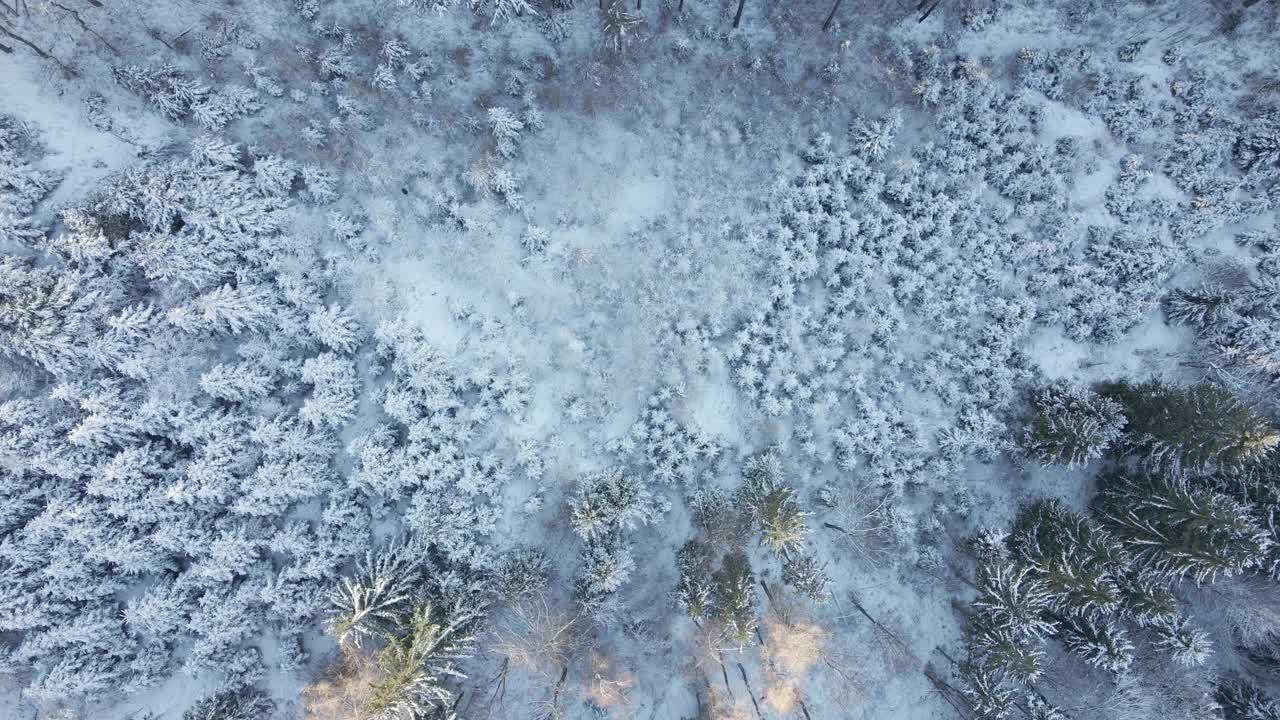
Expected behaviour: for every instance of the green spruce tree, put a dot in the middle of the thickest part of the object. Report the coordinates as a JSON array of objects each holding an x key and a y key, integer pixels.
[
  {"x": 1071, "y": 426},
  {"x": 807, "y": 576},
  {"x": 694, "y": 587},
  {"x": 734, "y": 598},
  {"x": 1180, "y": 530},
  {"x": 1099, "y": 641},
  {"x": 1077, "y": 560},
  {"x": 1200, "y": 308},
  {"x": 773, "y": 505},
  {"x": 1242, "y": 700},
  {"x": 1192, "y": 428}
]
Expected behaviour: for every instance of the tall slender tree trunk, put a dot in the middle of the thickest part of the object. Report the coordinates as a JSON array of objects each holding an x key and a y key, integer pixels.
[
  {"x": 832, "y": 16},
  {"x": 738, "y": 17}
]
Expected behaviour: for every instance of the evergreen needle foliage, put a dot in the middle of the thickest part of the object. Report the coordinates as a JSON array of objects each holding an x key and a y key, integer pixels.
[
  {"x": 1071, "y": 426},
  {"x": 1193, "y": 428}
]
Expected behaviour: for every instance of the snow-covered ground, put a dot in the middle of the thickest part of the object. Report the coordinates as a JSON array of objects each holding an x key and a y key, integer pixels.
[{"x": 857, "y": 250}]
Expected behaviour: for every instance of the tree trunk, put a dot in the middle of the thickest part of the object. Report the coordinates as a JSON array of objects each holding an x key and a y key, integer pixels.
[
  {"x": 750, "y": 693},
  {"x": 831, "y": 16},
  {"x": 680, "y": 8},
  {"x": 725, "y": 673},
  {"x": 738, "y": 17}
]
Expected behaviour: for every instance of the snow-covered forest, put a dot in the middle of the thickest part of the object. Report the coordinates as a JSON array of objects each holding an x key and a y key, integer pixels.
[{"x": 687, "y": 359}]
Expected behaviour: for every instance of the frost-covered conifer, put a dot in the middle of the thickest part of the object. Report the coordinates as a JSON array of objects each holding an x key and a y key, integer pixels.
[
  {"x": 694, "y": 588},
  {"x": 216, "y": 109},
  {"x": 1014, "y": 599},
  {"x": 1201, "y": 308},
  {"x": 807, "y": 576},
  {"x": 607, "y": 564},
  {"x": 872, "y": 139},
  {"x": 618, "y": 23},
  {"x": 504, "y": 10},
  {"x": 248, "y": 704},
  {"x": 523, "y": 574},
  {"x": 773, "y": 505},
  {"x": 22, "y": 185},
  {"x": 1187, "y": 645},
  {"x": 1194, "y": 427},
  {"x": 227, "y": 309},
  {"x": 610, "y": 501},
  {"x": 375, "y": 601},
  {"x": 1182, "y": 530},
  {"x": 321, "y": 185},
  {"x": 1071, "y": 426},
  {"x": 1077, "y": 560},
  {"x": 384, "y": 78},
  {"x": 989, "y": 696},
  {"x": 273, "y": 175},
  {"x": 334, "y": 393},
  {"x": 1241, "y": 700},
  {"x": 506, "y": 128},
  {"x": 1099, "y": 642},
  {"x": 1259, "y": 145},
  {"x": 419, "y": 661},
  {"x": 334, "y": 327},
  {"x": 236, "y": 382},
  {"x": 734, "y": 598},
  {"x": 165, "y": 87},
  {"x": 535, "y": 239}
]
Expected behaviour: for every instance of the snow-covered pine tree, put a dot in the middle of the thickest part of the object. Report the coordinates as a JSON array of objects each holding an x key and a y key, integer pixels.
[
  {"x": 246, "y": 704},
  {"x": 375, "y": 601},
  {"x": 734, "y": 598},
  {"x": 610, "y": 501},
  {"x": 1258, "y": 147},
  {"x": 334, "y": 327},
  {"x": 22, "y": 185},
  {"x": 504, "y": 10},
  {"x": 693, "y": 593},
  {"x": 1098, "y": 641},
  {"x": 807, "y": 576},
  {"x": 236, "y": 382},
  {"x": 1241, "y": 700},
  {"x": 1077, "y": 560},
  {"x": 335, "y": 390},
  {"x": 523, "y": 574},
  {"x": 773, "y": 505},
  {"x": 1181, "y": 530},
  {"x": 506, "y": 128},
  {"x": 1188, "y": 646},
  {"x": 617, "y": 24},
  {"x": 607, "y": 563},
  {"x": 1201, "y": 308},
  {"x": 1193, "y": 427},
  {"x": 1071, "y": 426},
  {"x": 872, "y": 139},
  {"x": 168, "y": 89},
  {"x": 1014, "y": 599},
  {"x": 228, "y": 309},
  {"x": 989, "y": 696},
  {"x": 420, "y": 661}
]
